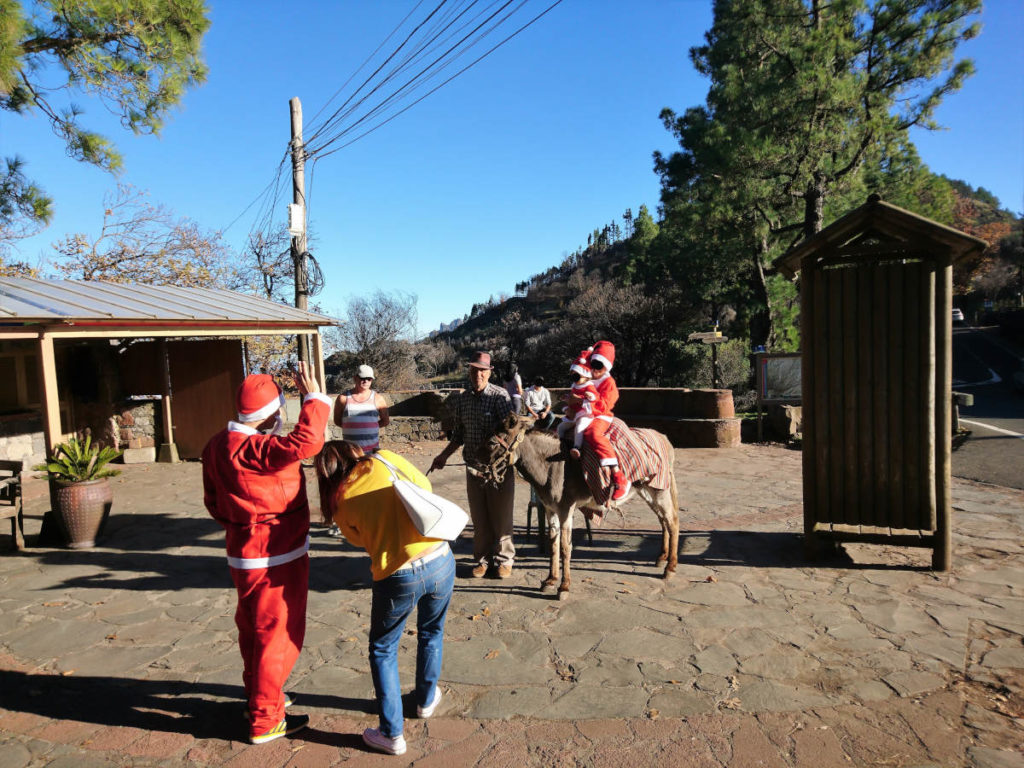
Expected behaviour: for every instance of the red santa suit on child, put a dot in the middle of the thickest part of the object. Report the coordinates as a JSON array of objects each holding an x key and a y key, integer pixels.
[
  {"x": 604, "y": 353},
  {"x": 254, "y": 487},
  {"x": 579, "y": 413}
]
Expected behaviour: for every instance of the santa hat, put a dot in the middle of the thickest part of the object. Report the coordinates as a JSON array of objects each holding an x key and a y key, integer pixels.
[
  {"x": 258, "y": 397},
  {"x": 605, "y": 352},
  {"x": 580, "y": 365}
]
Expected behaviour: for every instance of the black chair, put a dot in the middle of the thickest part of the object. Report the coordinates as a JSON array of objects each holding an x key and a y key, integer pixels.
[{"x": 10, "y": 500}]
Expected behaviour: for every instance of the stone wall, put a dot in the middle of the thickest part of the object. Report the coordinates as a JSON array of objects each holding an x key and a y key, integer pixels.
[
  {"x": 22, "y": 438},
  {"x": 136, "y": 422},
  {"x": 690, "y": 418}
]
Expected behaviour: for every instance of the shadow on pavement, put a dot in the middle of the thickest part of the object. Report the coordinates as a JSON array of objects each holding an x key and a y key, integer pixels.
[{"x": 172, "y": 706}]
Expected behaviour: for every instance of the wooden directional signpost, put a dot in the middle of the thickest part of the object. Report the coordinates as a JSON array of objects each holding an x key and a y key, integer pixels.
[{"x": 714, "y": 338}]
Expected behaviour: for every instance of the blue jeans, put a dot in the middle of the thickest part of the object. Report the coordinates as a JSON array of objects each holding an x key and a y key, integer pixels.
[{"x": 428, "y": 587}]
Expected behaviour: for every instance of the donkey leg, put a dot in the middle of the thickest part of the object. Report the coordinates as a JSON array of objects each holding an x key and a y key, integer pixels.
[
  {"x": 669, "y": 533},
  {"x": 554, "y": 570},
  {"x": 566, "y": 541}
]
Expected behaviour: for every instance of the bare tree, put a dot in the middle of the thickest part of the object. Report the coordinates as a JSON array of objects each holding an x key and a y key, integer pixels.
[
  {"x": 378, "y": 330},
  {"x": 139, "y": 242}
]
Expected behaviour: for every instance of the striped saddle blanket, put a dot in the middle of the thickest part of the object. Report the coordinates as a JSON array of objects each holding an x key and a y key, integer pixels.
[{"x": 640, "y": 457}]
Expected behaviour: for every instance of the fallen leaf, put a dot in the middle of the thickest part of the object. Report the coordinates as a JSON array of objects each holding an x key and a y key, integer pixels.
[
  {"x": 56, "y": 604},
  {"x": 475, "y": 617},
  {"x": 69, "y": 673},
  {"x": 731, "y": 704},
  {"x": 675, "y": 682},
  {"x": 486, "y": 611},
  {"x": 493, "y": 654},
  {"x": 111, "y": 637},
  {"x": 653, "y": 714},
  {"x": 625, "y": 591},
  {"x": 733, "y": 682},
  {"x": 711, "y": 579}
]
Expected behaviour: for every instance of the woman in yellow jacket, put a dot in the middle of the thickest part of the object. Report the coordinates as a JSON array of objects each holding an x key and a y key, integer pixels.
[{"x": 409, "y": 571}]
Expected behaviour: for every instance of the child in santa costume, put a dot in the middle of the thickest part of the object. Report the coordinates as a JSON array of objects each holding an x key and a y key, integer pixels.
[
  {"x": 579, "y": 412},
  {"x": 601, "y": 360},
  {"x": 254, "y": 487}
]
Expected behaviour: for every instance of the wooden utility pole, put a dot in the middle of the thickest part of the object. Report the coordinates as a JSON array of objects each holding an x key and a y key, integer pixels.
[{"x": 299, "y": 199}]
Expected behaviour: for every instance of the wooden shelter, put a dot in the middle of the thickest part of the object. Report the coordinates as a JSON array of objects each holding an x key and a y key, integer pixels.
[
  {"x": 183, "y": 346},
  {"x": 876, "y": 293}
]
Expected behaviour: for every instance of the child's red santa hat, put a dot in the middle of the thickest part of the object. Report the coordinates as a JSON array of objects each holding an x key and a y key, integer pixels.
[
  {"x": 581, "y": 366},
  {"x": 258, "y": 397},
  {"x": 605, "y": 352}
]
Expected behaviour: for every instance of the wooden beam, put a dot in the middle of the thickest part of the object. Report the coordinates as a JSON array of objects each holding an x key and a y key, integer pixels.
[
  {"x": 318, "y": 360},
  {"x": 168, "y": 452},
  {"x": 63, "y": 332},
  {"x": 51, "y": 397}
]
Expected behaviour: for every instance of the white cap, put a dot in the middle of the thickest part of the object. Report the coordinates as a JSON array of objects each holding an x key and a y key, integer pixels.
[{"x": 365, "y": 372}]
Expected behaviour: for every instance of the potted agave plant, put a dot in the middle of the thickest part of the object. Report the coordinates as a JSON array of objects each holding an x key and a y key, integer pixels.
[{"x": 80, "y": 491}]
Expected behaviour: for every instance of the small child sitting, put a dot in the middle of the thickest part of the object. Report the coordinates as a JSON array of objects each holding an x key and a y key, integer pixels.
[{"x": 579, "y": 413}]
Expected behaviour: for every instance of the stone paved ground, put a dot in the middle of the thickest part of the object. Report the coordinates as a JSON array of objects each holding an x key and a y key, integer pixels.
[{"x": 125, "y": 654}]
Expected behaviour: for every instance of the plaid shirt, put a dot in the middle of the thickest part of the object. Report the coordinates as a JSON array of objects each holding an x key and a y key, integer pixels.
[{"x": 476, "y": 416}]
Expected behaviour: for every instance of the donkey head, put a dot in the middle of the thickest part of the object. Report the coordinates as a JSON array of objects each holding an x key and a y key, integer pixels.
[{"x": 499, "y": 452}]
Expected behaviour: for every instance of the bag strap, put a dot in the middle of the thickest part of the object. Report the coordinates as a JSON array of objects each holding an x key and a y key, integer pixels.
[{"x": 395, "y": 471}]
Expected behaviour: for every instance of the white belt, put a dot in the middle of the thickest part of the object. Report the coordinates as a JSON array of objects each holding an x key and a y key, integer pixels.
[
  {"x": 253, "y": 563},
  {"x": 433, "y": 555}
]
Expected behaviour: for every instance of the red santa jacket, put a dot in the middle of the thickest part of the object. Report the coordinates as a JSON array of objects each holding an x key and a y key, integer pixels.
[
  {"x": 608, "y": 395},
  {"x": 588, "y": 397},
  {"x": 254, "y": 487}
]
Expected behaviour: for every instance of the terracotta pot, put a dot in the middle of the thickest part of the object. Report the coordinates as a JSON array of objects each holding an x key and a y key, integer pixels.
[{"x": 82, "y": 509}]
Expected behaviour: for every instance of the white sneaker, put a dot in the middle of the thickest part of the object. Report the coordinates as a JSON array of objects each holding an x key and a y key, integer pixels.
[
  {"x": 428, "y": 710},
  {"x": 374, "y": 739}
]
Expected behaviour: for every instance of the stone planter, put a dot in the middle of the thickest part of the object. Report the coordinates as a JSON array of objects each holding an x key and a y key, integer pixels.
[{"x": 81, "y": 510}]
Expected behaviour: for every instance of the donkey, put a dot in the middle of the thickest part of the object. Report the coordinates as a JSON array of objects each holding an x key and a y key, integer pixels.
[{"x": 560, "y": 485}]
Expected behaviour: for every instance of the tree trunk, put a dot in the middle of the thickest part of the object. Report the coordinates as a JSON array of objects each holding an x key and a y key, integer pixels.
[
  {"x": 762, "y": 333},
  {"x": 814, "y": 205}
]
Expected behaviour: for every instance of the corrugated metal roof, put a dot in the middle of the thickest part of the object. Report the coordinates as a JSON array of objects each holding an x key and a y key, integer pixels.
[{"x": 25, "y": 299}]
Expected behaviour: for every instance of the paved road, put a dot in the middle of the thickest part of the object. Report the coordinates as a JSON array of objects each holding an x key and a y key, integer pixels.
[
  {"x": 983, "y": 365},
  {"x": 125, "y": 655}
]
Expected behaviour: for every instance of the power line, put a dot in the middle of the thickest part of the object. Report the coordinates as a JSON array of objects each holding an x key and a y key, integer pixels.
[{"x": 441, "y": 85}]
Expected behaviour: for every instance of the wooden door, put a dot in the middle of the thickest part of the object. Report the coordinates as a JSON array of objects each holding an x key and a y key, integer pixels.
[{"x": 204, "y": 378}]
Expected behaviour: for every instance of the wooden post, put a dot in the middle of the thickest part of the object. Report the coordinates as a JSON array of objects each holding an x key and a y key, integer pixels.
[
  {"x": 168, "y": 452},
  {"x": 942, "y": 554},
  {"x": 51, "y": 397},
  {"x": 299, "y": 198},
  {"x": 318, "y": 359},
  {"x": 808, "y": 276}
]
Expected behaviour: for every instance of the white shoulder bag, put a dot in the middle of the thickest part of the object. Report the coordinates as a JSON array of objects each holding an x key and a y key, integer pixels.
[{"x": 434, "y": 516}]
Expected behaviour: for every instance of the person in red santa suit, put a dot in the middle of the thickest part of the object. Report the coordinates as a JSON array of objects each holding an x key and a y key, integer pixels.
[
  {"x": 579, "y": 409},
  {"x": 601, "y": 360},
  {"x": 254, "y": 487}
]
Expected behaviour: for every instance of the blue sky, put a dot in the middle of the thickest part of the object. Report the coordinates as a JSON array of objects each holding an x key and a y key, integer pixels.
[{"x": 491, "y": 179}]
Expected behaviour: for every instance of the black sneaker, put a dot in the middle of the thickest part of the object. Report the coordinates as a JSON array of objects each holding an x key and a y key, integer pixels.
[{"x": 286, "y": 727}]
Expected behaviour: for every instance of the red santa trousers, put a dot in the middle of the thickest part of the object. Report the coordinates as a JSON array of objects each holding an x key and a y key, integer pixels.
[
  {"x": 597, "y": 439},
  {"x": 271, "y": 620}
]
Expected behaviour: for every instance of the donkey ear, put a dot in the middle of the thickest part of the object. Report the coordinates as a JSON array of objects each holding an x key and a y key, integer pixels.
[{"x": 511, "y": 420}]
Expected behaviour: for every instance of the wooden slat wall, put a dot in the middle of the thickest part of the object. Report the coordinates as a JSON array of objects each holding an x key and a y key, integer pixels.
[{"x": 872, "y": 346}]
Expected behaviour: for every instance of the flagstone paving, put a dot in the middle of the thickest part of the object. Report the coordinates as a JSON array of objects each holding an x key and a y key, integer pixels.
[{"x": 125, "y": 654}]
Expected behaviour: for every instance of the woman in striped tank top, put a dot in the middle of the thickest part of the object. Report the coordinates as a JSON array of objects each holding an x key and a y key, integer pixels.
[{"x": 360, "y": 413}]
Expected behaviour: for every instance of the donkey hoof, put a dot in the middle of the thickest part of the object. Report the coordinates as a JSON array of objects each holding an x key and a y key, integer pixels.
[
  {"x": 563, "y": 593},
  {"x": 669, "y": 573},
  {"x": 661, "y": 559},
  {"x": 548, "y": 585}
]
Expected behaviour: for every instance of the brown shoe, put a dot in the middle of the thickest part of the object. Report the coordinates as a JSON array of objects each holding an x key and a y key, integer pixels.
[
  {"x": 480, "y": 571},
  {"x": 504, "y": 571}
]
